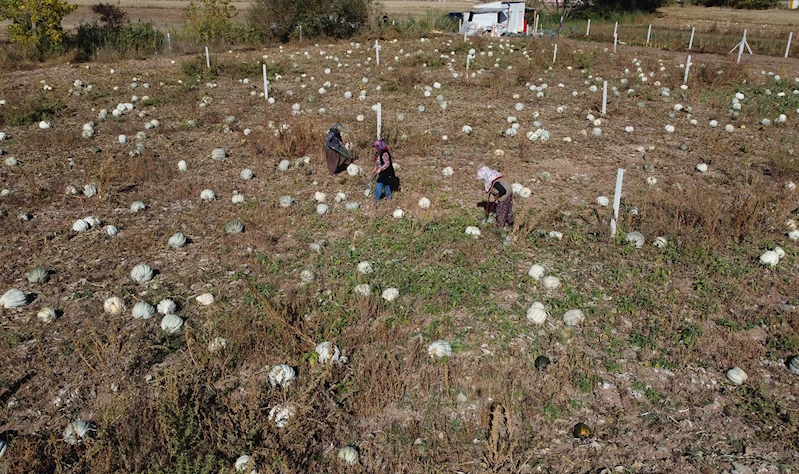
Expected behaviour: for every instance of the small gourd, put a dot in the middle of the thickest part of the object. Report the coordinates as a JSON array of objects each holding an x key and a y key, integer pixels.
[
  {"x": 142, "y": 273},
  {"x": 550, "y": 282},
  {"x": 172, "y": 324},
  {"x": 328, "y": 353},
  {"x": 537, "y": 313},
  {"x": 473, "y": 231},
  {"x": 352, "y": 205},
  {"x": 205, "y": 299},
  {"x": 581, "y": 431},
  {"x": 246, "y": 174},
  {"x": 424, "y": 203},
  {"x": 737, "y": 376},
  {"x": 137, "y": 206},
  {"x": 218, "y": 154},
  {"x": 92, "y": 221},
  {"x": 307, "y": 276},
  {"x": 353, "y": 169},
  {"x": 565, "y": 334},
  {"x": 286, "y": 201},
  {"x": 167, "y": 306},
  {"x": 76, "y": 431},
  {"x": 363, "y": 289},
  {"x": 660, "y": 242},
  {"x": 281, "y": 415},
  {"x": 111, "y": 230},
  {"x": 398, "y": 214},
  {"x": 603, "y": 201},
  {"x": 89, "y": 190},
  {"x": 321, "y": 209},
  {"x": 769, "y": 258},
  {"x": 143, "y": 310},
  {"x": 234, "y": 226},
  {"x": 348, "y": 455},
  {"x": 38, "y": 274},
  {"x": 779, "y": 251},
  {"x": 284, "y": 165},
  {"x": 182, "y": 165},
  {"x": 3, "y": 448},
  {"x": 80, "y": 225},
  {"x": 390, "y": 294},
  {"x": 439, "y": 349},
  {"x": 635, "y": 238},
  {"x": 243, "y": 462},
  {"x": 281, "y": 375},
  {"x": 320, "y": 196},
  {"x": 46, "y": 315},
  {"x": 536, "y": 271},
  {"x": 237, "y": 198},
  {"x": 177, "y": 240},
  {"x": 114, "y": 305},
  {"x": 573, "y": 317}
]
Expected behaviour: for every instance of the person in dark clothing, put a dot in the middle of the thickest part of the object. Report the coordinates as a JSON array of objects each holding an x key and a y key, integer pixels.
[
  {"x": 336, "y": 155},
  {"x": 384, "y": 169},
  {"x": 499, "y": 191}
]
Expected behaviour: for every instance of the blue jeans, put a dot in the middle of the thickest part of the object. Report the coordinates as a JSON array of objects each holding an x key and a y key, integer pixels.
[{"x": 379, "y": 187}]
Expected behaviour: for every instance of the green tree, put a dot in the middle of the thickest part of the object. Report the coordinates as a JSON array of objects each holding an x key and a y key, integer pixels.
[
  {"x": 282, "y": 19},
  {"x": 35, "y": 22},
  {"x": 212, "y": 21}
]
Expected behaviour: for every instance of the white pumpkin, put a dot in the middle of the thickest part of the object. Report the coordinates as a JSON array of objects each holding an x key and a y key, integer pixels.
[
  {"x": 80, "y": 225},
  {"x": 536, "y": 271},
  {"x": 473, "y": 231},
  {"x": 556, "y": 235},
  {"x": 793, "y": 235},
  {"x": 243, "y": 462},
  {"x": 177, "y": 240},
  {"x": 365, "y": 267},
  {"x": 525, "y": 193},
  {"x": 167, "y": 306},
  {"x": 660, "y": 242},
  {"x": 737, "y": 376},
  {"x": 217, "y": 344},
  {"x": 3, "y": 448},
  {"x": 398, "y": 213},
  {"x": 320, "y": 196},
  {"x": 92, "y": 221},
  {"x": 76, "y": 431},
  {"x": 237, "y": 198},
  {"x": 89, "y": 190},
  {"x": 550, "y": 282},
  {"x": 207, "y": 195},
  {"x": 341, "y": 197},
  {"x": 281, "y": 375},
  {"x": 701, "y": 167},
  {"x": 537, "y": 313},
  {"x": 390, "y": 294},
  {"x": 246, "y": 174},
  {"x": 439, "y": 349},
  {"x": 603, "y": 201},
  {"x": 114, "y": 305},
  {"x": 348, "y": 455},
  {"x": 778, "y": 250},
  {"x": 142, "y": 273},
  {"x": 424, "y": 203},
  {"x": 651, "y": 180},
  {"x": 307, "y": 276},
  {"x": 321, "y": 209},
  {"x": 286, "y": 201},
  {"x": 137, "y": 206},
  {"x": 328, "y": 353},
  {"x": 46, "y": 315},
  {"x": 353, "y": 169},
  {"x": 793, "y": 365},
  {"x": 284, "y": 165},
  {"x": 281, "y": 415},
  {"x": 143, "y": 310},
  {"x": 182, "y": 166},
  {"x": 363, "y": 289},
  {"x": 573, "y": 317},
  {"x": 769, "y": 258},
  {"x": 448, "y": 171},
  {"x": 111, "y": 230},
  {"x": 205, "y": 299},
  {"x": 234, "y": 226},
  {"x": 38, "y": 274},
  {"x": 218, "y": 154},
  {"x": 172, "y": 323},
  {"x": 352, "y": 205},
  {"x": 635, "y": 238}
]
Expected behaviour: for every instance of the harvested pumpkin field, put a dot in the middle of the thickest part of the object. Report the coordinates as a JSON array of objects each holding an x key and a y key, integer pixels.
[{"x": 219, "y": 302}]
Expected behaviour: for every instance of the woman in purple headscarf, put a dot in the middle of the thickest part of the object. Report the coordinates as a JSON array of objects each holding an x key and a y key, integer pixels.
[{"x": 499, "y": 193}]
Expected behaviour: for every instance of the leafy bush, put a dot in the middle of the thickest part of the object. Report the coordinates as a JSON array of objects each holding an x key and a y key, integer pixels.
[
  {"x": 742, "y": 4},
  {"x": 285, "y": 19},
  {"x": 611, "y": 8},
  {"x": 31, "y": 111},
  {"x": 212, "y": 21},
  {"x": 35, "y": 22},
  {"x": 133, "y": 39},
  {"x": 111, "y": 15}
]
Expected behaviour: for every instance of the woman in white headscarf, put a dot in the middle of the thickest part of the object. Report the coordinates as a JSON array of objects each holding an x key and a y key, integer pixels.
[{"x": 499, "y": 195}]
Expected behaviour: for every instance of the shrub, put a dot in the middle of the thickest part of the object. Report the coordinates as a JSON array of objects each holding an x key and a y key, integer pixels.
[
  {"x": 212, "y": 21},
  {"x": 133, "y": 39},
  {"x": 742, "y": 4},
  {"x": 111, "y": 15},
  {"x": 282, "y": 19},
  {"x": 35, "y": 22}
]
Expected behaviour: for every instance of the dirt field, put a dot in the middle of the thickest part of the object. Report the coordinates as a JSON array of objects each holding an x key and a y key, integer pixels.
[{"x": 645, "y": 369}]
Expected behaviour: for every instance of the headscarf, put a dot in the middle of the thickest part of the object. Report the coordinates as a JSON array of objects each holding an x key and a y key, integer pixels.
[
  {"x": 380, "y": 145},
  {"x": 335, "y": 128},
  {"x": 489, "y": 176}
]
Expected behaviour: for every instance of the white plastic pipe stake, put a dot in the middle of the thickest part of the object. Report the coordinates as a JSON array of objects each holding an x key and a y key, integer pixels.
[
  {"x": 604, "y": 97},
  {"x": 555, "y": 54},
  {"x": 691, "y": 42},
  {"x": 266, "y": 85},
  {"x": 169, "y": 42},
  {"x": 687, "y": 68},
  {"x": 616, "y": 201},
  {"x": 788, "y": 48},
  {"x": 468, "y": 58},
  {"x": 207, "y": 59},
  {"x": 615, "y": 40},
  {"x": 741, "y": 49},
  {"x": 588, "y": 28},
  {"x": 377, "y": 52},
  {"x": 648, "y": 34},
  {"x": 379, "y": 120}
]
